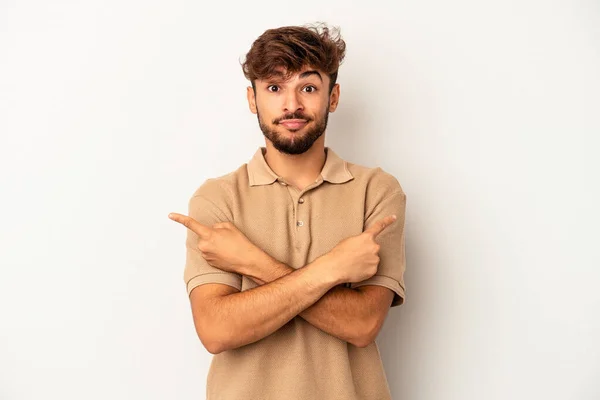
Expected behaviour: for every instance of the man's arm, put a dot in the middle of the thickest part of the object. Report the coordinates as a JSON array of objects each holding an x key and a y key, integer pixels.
[
  {"x": 352, "y": 315},
  {"x": 242, "y": 318},
  {"x": 354, "y": 259}
]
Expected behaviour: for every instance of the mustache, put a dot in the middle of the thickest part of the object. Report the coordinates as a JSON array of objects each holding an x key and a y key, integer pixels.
[{"x": 294, "y": 115}]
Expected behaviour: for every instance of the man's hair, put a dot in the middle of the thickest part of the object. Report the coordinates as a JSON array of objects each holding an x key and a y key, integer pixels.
[{"x": 293, "y": 48}]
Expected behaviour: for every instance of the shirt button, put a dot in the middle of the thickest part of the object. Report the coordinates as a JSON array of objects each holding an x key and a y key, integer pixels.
[
  {"x": 301, "y": 201},
  {"x": 299, "y": 223}
]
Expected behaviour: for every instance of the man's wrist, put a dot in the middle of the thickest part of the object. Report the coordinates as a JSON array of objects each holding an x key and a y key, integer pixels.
[
  {"x": 327, "y": 269},
  {"x": 264, "y": 269},
  {"x": 261, "y": 267}
]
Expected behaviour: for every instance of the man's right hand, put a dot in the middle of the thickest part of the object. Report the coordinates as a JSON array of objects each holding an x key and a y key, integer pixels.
[{"x": 356, "y": 258}]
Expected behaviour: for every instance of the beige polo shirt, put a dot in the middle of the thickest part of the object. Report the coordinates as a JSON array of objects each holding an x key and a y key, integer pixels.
[{"x": 299, "y": 361}]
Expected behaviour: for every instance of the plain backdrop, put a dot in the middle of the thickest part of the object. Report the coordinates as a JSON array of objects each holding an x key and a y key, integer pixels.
[{"x": 112, "y": 113}]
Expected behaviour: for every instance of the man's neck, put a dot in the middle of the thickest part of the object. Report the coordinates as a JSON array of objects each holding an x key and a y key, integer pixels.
[{"x": 299, "y": 170}]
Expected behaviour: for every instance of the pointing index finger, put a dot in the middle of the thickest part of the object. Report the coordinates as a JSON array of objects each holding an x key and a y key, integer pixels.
[
  {"x": 191, "y": 224},
  {"x": 380, "y": 225}
]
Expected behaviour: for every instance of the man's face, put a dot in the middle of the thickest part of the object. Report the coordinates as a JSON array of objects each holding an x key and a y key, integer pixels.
[{"x": 293, "y": 114}]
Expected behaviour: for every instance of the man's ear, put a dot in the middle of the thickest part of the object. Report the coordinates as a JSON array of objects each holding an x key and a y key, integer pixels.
[
  {"x": 251, "y": 99},
  {"x": 334, "y": 97}
]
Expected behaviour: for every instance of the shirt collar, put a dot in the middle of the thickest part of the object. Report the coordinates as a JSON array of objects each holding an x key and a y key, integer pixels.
[{"x": 335, "y": 169}]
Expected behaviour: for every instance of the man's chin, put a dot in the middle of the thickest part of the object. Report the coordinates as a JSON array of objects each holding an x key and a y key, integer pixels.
[{"x": 290, "y": 146}]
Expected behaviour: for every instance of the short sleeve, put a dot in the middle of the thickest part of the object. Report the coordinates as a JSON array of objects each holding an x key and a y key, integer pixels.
[
  {"x": 197, "y": 270},
  {"x": 390, "y": 272}
]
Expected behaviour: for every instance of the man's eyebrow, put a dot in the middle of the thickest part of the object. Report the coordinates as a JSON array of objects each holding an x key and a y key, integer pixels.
[
  {"x": 309, "y": 73},
  {"x": 279, "y": 76}
]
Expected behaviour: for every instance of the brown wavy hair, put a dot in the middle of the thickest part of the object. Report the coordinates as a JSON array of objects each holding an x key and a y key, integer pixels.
[{"x": 293, "y": 48}]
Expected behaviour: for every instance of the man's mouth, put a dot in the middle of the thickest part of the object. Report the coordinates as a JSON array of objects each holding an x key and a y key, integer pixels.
[{"x": 293, "y": 123}]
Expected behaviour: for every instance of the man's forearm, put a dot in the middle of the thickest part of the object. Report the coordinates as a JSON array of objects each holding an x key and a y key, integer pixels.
[
  {"x": 339, "y": 312},
  {"x": 246, "y": 317}
]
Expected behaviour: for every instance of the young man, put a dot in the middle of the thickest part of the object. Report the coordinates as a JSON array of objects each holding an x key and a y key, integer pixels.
[{"x": 294, "y": 259}]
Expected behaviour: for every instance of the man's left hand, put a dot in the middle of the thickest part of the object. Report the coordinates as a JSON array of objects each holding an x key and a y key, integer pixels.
[{"x": 223, "y": 245}]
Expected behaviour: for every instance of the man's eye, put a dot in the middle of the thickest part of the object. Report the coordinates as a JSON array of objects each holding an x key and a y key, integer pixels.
[
  {"x": 309, "y": 89},
  {"x": 273, "y": 88}
]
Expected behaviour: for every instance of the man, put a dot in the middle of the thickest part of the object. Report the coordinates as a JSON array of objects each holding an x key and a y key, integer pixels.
[{"x": 294, "y": 259}]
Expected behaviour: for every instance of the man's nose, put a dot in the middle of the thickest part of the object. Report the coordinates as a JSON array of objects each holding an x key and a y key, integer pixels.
[{"x": 292, "y": 102}]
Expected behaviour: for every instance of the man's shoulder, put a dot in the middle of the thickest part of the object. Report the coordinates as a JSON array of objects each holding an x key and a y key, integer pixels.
[
  {"x": 375, "y": 179},
  {"x": 221, "y": 188}
]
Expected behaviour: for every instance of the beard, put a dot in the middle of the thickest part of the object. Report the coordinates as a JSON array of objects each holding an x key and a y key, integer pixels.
[{"x": 297, "y": 144}]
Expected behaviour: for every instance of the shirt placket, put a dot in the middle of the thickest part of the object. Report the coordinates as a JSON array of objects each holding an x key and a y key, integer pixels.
[{"x": 301, "y": 218}]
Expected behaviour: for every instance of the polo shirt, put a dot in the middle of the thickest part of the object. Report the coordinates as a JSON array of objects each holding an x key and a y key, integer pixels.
[{"x": 300, "y": 361}]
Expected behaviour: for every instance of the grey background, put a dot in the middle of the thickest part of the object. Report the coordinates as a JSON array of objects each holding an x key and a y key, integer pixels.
[{"x": 113, "y": 112}]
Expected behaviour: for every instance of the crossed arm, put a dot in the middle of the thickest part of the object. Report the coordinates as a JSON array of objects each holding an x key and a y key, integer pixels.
[
  {"x": 352, "y": 315},
  {"x": 226, "y": 320}
]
